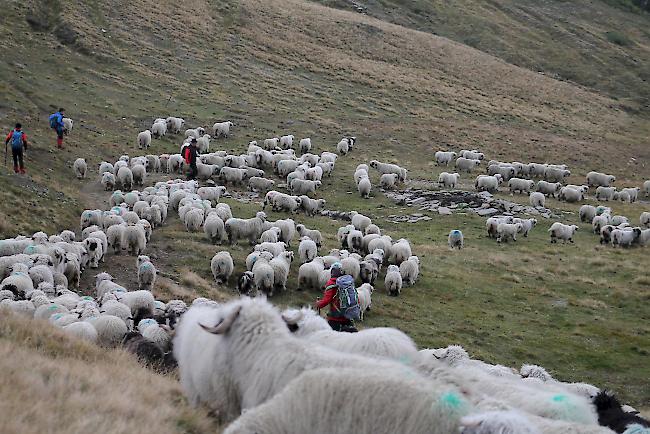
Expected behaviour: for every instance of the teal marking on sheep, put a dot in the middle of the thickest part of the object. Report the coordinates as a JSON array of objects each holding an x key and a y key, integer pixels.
[
  {"x": 451, "y": 402},
  {"x": 57, "y": 316},
  {"x": 30, "y": 250},
  {"x": 87, "y": 297},
  {"x": 559, "y": 398},
  {"x": 53, "y": 307},
  {"x": 636, "y": 429},
  {"x": 455, "y": 232}
]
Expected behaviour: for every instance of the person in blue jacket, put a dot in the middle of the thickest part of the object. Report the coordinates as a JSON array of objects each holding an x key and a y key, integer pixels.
[
  {"x": 56, "y": 123},
  {"x": 18, "y": 140}
]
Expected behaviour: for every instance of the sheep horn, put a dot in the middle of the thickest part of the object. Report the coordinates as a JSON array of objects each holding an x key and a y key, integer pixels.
[{"x": 224, "y": 325}]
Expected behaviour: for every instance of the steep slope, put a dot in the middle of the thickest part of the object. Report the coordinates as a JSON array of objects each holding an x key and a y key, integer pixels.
[
  {"x": 290, "y": 66},
  {"x": 601, "y": 44}
]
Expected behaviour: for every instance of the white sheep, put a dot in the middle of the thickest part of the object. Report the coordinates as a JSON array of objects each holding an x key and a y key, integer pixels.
[
  {"x": 260, "y": 184},
  {"x": 448, "y": 180},
  {"x": 360, "y": 221},
  {"x": 67, "y": 125},
  {"x": 286, "y": 142},
  {"x": 563, "y": 232},
  {"x": 144, "y": 139},
  {"x": 445, "y": 158},
  {"x": 364, "y": 187},
  {"x": 455, "y": 239},
  {"x": 410, "y": 269},
  {"x": 222, "y": 129},
  {"x": 305, "y": 145},
  {"x": 393, "y": 281},
  {"x": 605, "y": 193},
  {"x": 110, "y": 330},
  {"x": 519, "y": 185},
  {"x": 343, "y": 147},
  {"x": 365, "y": 298},
  {"x": 80, "y": 168},
  {"x": 597, "y": 179},
  {"x": 141, "y": 303},
  {"x": 222, "y": 267},
  {"x": 644, "y": 219},
  {"x": 587, "y": 213},
  {"x": 134, "y": 239},
  {"x": 384, "y": 168},
  {"x": 158, "y": 129},
  {"x": 388, "y": 180},
  {"x": 146, "y": 273},
  {"x": 472, "y": 155},
  {"x": 263, "y": 276},
  {"x": 271, "y": 235},
  {"x": 571, "y": 194},
  {"x": 307, "y": 249},
  {"x": 304, "y": 186},
  {"x": 311, "y": 206},
  {"x": 488, "y": 183},
  {"x": 549, "y": 188},
  {"x": 245, "y": 228},
  {"x": 506, "y": 231},
  {"x": 555, "y": 174},
  {"x": 466, "y": 165},
  {"x": 125, "y": 178},
  {"x": 193, "y": 219},
  {"x": 223, "y": 211},
  {"x": 400, "y": 251},
  {"x": 18, "y": 281},
  {"x": 280, "y": 265},
  {"x": 537, "y": 199},
  {"x": 313, "y": 234},
  {"x": 633, "y": 193}
]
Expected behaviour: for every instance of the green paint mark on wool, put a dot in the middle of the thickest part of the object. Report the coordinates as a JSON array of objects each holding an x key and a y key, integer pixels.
[
  {"x": 451, "y": 402},
  {"x": 559, "y": 398}
]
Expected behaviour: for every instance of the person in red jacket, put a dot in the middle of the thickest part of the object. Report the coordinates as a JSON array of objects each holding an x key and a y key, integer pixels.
[
  {"x": 18, "y": 140},
  {"x": 335, "y": 317}
]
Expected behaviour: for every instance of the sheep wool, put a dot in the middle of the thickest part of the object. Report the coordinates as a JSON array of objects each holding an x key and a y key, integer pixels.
[
  {"x": 222, "y": 267},
  {"x": 80, "y": 168},
  {"x": 455, "y": 239}
]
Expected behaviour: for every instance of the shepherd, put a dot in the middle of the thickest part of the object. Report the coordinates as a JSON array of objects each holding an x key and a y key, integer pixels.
[
  {"x": 18, "y": 140},
  {"x": 56, "y": 123},
  {"x": 342, "y": 298}
]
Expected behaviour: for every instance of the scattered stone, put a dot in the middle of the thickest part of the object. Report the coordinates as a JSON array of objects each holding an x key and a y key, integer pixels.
[
  {"x": 487, "y": 212},
  {"x": 443, "y": 210}
]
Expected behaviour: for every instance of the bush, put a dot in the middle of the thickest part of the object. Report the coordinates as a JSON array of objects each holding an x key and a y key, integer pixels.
[{"x": 618, "y": 38}]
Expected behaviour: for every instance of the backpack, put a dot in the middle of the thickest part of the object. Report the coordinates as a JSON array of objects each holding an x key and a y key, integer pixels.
[
  {"x": 54, "y": 121},
  {"x": 348, "y": 297},
  {"x": 16, "y": 140}
]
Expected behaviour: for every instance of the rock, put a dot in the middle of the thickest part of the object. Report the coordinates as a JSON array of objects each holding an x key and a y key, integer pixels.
[
  {"x": 417, "y": 214},
  {"x": 487, "y": 212},
  {"x": 443, "y": 210}
]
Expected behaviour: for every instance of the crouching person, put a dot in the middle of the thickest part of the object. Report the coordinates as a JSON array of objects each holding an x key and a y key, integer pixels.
[{"x": 341, "y": 296}]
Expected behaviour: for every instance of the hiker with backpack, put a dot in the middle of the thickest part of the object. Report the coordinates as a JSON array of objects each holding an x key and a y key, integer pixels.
[
  {"x": 189, "y": 153},
  {"x": 56, "y": 123},
  {"x": 18, "y": 140},
  {"x": 341, "y": 295}
]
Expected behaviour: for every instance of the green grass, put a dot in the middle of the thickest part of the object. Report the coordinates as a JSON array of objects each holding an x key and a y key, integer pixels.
[{"x": 290, "y": 66}]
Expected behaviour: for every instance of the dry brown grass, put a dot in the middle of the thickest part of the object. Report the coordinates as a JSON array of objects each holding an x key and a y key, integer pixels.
[{"x": 53, "y": 384}]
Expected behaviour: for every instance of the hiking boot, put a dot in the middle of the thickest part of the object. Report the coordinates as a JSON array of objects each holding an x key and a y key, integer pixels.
[
  {"x": 15, "y": 169},
  {"x": 22, "y": 170}
]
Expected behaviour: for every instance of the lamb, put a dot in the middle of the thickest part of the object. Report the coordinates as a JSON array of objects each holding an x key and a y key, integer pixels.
[
  {"x": 448, "y": 180},
  {"x": 644, "y": 219},
  {"x": 144, "y": 139},
  {"x": 622, "y": 196},
  {"x": 125, "y": 178},
  {"x": 520, "y": 185},
  {"x": 537, "y": 199},
  {"x": 222, "y": 267},
  {"x": 597, "y": 179},
  {"x": 384, "y": 168},
  {"x": 94, "y": 247},
  {"x": 488, "y": 183},
  {"x": 507, "y": 231},
  {"x": 388, "y": 180},
  {"x": 134, "y": 239},
  {"x": 444, "y": 157},
  {"x": 211, "y": 193},
  {"x": 526, "y": 224},
  {"x": 80, "y": 167},
  {"x": 364, "y": 187},
  {"x": 203, "y": 144},
  {"x": 563, "y": 232},
  {"x": 632, "y": 192},
  {"x": 587, "y": 213},
  {"x": 245, "y": 228},
  {"x": 570, "y": 194},
  {"x": 393, "y": 281},
  {"x": 311, "y": 206},
  {"x": 271, "y": 235},
  {"x": 146, "y": 273},
  {"x": 304, "y": 186},
  {"x": 280, "y": 265},
  {"x": 313, "y": 234},
  {"x": 343, "y": 147},
  {"x": 455, "y": 239},
  {"x": 605, "y": 193},
  {"x": 466, "y": 165},
  {"x": 307, "y": 250},
  {"x": 383, "y": 342}
]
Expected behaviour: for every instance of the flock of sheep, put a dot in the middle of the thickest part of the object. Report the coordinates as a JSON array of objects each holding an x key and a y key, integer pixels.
[
  {"x": 263, "y": 370},
  {"x": 614, "y": 229}
]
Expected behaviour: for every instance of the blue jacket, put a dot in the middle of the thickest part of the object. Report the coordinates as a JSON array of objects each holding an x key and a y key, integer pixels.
[{"x": 59, "y": 119}]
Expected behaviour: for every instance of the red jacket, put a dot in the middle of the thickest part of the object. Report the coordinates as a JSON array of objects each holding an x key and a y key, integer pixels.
[{"x": 331, "y": 298}]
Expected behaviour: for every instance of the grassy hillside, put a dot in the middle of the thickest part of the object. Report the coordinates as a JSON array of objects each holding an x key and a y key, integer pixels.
[
  {"x": 603, "y": 44},
  {"x": 291, "y": 66}
]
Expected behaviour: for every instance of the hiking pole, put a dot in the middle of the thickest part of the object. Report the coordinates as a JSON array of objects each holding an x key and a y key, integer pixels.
[{"x": 5, "y": 154}]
